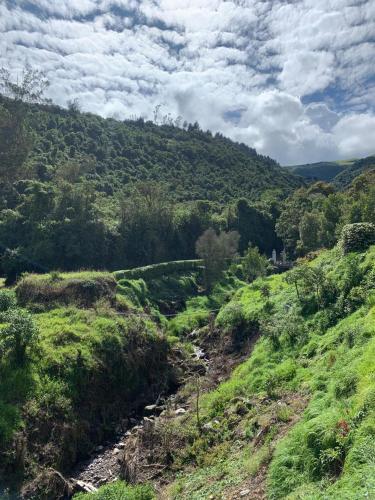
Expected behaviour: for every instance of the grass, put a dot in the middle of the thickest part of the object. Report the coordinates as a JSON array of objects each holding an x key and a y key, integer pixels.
[
  {"x": 325, "y": 356},
  {"x": 119, "y": 490},
  {"x": 87, "y": 371}
]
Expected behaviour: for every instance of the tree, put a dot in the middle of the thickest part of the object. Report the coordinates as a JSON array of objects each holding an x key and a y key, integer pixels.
[
  {"x": 295, "y": 277},
  {"x": 310, "y": 229},
  {"x": 16, "y": 138},
  {"x": 255, "y": 227},
  {"x": 254, "y": 264},
  {"x": 29, "y": 89},
  {"x": 146, "y": 226},
  {"x": 216, "y": 252}
]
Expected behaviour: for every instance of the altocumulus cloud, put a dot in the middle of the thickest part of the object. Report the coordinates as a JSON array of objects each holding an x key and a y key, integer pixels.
[{"x": 294, "y": 79}]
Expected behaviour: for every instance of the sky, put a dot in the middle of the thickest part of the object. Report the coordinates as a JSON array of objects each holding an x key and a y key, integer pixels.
[{"x": 295, "y": 79}]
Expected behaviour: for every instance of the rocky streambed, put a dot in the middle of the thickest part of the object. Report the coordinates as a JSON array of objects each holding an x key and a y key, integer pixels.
[
  {"x": 108, "y": 462},
  {"x": 140, "y": 452}
]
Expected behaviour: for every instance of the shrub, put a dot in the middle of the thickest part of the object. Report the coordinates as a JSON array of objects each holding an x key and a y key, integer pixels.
[
  {"x": 233, "y": 322},
  {"x": 357, "y": 237},
  {"x": 346, "y": 386},
  {"x": 7, "y": 300},
  {"x": 19, "y": 337}
]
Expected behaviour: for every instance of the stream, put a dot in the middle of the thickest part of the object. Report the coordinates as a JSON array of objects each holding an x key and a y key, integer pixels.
[{"x": 105, "y": 465}]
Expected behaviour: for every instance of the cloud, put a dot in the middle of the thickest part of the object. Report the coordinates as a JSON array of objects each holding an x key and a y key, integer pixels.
[
  {"x": 292, "y": 78},
  {"x": 354, "y": 134}
]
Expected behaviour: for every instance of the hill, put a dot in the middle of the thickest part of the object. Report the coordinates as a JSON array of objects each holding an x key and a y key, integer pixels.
[
  {"x": 323, "y": 170},
  {"x": 341, "y": 173},
  {"x": 193, "y": 164},
  {"x": 357, "y": 168}
]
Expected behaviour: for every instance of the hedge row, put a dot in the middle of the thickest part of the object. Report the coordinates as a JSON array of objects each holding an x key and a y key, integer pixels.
[{"x": 155, "y": 271}]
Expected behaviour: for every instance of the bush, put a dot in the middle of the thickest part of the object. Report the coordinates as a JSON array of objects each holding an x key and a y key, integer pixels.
[
  {"x": 346, "y": 386},
  {"x": 19, "y": 337},
  {"x": 357, "y": 237},
  {"x": 233, "y": 321},
  {"x": 7, "y": 300}
]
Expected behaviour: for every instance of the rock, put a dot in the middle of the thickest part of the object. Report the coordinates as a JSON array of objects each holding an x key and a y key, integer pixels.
[
  {"x": 99, "y": 448},
  {"x": 86, "y": 487},
  {"x": 244, "y": 493},
  {"x": 150, "y": 408},
  {"x": 180, "y": 411}
]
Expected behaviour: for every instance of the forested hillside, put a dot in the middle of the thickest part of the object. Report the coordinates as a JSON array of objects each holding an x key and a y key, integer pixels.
[
  {"x": 104, "y": 194},
  {"x": 194, "y": 164},
  {"x": 323, "y": 170},
  {"x": 359, "y": 167}
]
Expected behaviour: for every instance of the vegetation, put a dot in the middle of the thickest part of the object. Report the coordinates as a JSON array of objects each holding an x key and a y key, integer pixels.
[
  {"x": 322, "y": 171},
  {"x": 119, "y": 490},
  {"x": 216, "y": 251},
  {"x": 340, "y": 173},
  {"x": 313, "y": 218},
  {"x": 69, "y": 373},
  {"x": 311, "y": 373},
  {"x": 103, "y": 194},
  {"x": 80, "y": 350}
]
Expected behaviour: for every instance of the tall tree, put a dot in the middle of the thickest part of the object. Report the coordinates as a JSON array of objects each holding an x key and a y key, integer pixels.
[
  {"x": 216, "y": 252},
  {"x": 16, "y": 138}
]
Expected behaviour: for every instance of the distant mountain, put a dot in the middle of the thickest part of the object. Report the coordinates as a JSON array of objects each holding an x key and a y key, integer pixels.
[
  {"x": 341, "y": 173},
  {"x": 323, "y": 170},
  {"x": 344, "y": 178},
  {"x": 195, "y": 164}
]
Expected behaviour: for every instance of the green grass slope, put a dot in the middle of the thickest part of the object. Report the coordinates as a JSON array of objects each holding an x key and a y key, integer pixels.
[{"x": 296, "y": 420}]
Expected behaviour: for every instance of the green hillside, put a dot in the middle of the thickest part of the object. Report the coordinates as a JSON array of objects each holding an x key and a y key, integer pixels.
[
  {"x": 341, "y": 173},
  {"x": 79, "y": 191},
  {"x": 343, "y": 179},
  {"x": 149, "y": 346},
  {"x": 296, "y": 420},
  {"x": 323, "y": 170}
]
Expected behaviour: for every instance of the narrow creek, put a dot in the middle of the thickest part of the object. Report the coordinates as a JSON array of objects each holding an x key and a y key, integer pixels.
[
  {"x": 212, "y": 361},
  {"x": 105, "y": 465}
]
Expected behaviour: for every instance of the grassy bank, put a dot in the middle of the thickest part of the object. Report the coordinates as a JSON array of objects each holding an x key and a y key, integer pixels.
[{"x": 296, "y": 420}]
